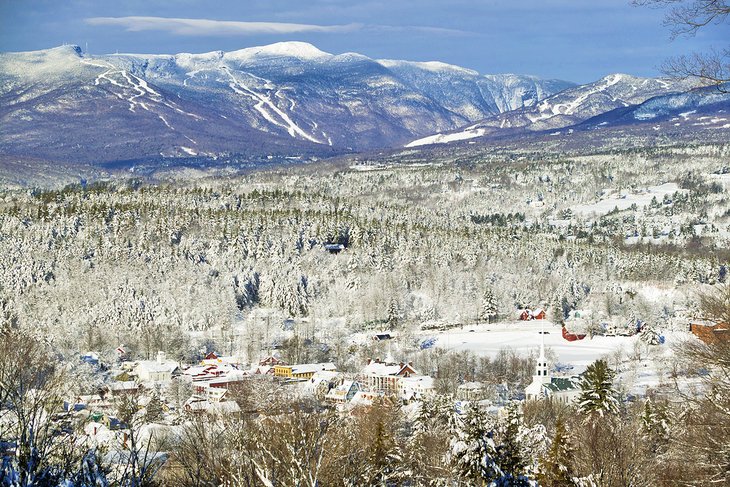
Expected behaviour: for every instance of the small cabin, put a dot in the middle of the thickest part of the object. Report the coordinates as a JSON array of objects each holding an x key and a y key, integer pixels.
[{"x": 334, "y": 248}]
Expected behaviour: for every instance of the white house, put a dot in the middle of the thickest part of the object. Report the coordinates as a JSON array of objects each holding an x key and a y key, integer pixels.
[
  {"x": 159, "y": 370},
  {"x": 415, "y": 387},
  {"x": 386, "y": 377},
  {"x": 343, "y": 393}
]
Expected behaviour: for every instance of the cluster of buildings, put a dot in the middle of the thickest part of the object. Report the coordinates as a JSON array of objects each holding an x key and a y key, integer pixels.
[
  {"x": 222, "y": 385},
  {"x": 215, "y": 384}
]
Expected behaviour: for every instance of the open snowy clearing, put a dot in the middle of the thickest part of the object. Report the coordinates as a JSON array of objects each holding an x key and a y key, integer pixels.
[
  {"x": 524, "y": 338},
  {"x": 624, "y": 201}
]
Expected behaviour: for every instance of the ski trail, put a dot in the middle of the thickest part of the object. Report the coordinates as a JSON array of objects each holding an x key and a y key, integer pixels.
[
  {"x": 140, "y": 86},
  {"x": 264, "y": 106}
]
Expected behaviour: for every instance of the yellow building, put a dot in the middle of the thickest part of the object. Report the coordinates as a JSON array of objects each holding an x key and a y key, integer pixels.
[{"x": 301, "y": 371}]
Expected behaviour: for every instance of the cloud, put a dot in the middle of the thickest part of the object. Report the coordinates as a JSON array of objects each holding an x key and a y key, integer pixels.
[
  {"x": 207, "y": 27},
  {"x": 224, "y": 28}
]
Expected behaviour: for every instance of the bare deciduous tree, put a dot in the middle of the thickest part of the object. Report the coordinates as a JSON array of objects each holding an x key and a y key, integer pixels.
[{"x": 685, "y": 18}]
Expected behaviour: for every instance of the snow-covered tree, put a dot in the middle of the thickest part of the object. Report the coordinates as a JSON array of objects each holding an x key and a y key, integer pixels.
[
  {"x": 474, "y": 449},
  {"x": 489, "y": 310},
  {"x": 598, "y": 395},
  {"x": 655, "y": 425}
]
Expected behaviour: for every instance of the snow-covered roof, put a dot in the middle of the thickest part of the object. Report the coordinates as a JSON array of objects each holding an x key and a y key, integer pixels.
[
  {"x": 127, "y": 385},
  {"x": 156, "y": 366},
  {"x": 382, "y": 368},
  {"x": 341, "y": 390},
  {"x": 418, "y": 381},
  {"x": 311, "y": 368}
]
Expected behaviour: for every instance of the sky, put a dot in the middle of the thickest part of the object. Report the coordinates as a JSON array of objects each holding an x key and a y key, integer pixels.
[{"x": 576, "y": 40}]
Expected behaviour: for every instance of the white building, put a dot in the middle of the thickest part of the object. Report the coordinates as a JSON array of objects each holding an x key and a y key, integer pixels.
[
  {"x": 159, "y": 370},
  {"x": 561, "y": 389},
  {"x": 416, "y": 387},
  {"x": 386, "y": 376}
]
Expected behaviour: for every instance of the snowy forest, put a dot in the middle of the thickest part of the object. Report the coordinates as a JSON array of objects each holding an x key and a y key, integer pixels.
[
  {"x": 306, "y": 262},
  {"x": 175, "y": 263}
]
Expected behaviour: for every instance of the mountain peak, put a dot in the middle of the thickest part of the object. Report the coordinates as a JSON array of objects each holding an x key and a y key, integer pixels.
[
  {"x": 433, "y": 66},
  {"x": 71, "y": 49},
  {"x": 295, "y": 49}
]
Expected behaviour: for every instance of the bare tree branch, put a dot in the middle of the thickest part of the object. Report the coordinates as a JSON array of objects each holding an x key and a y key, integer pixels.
[{"x": 686, "y": 18}]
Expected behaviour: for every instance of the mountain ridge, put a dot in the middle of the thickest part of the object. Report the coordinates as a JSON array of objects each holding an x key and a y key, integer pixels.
[{"x": 286, "y": 98}]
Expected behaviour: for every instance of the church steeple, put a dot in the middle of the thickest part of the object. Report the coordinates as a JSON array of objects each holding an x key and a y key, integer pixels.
[{"x": 542, "y": 371}]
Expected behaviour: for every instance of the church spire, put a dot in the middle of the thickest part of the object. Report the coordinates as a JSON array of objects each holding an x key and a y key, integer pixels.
[{"x": 542, "y": 370}]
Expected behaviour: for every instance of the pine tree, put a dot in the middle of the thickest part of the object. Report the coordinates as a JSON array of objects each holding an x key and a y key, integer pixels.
[
  {"x": 489, "y": 309},
  {"x": 153, "y": 411},
  {"x": 385, "y": 458},
  {"x": 557, "y": 312},
  {"x": 598, "y": 395},
  {"x": 556, "y": 468},
  {"x": 508, "y": 451},
  {"x": 655, "y": 425},
  {"x": 474, "y": 450},
  {"x": 649, "y": 336},
  {"x": 393, "y": 313}
]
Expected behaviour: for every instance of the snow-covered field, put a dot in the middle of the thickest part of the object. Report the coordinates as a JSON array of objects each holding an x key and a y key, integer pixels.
[
  {"x": 624, "y": 200},
  {"x": 524, "y": 338},
  {"x": 649, "y": 371}
]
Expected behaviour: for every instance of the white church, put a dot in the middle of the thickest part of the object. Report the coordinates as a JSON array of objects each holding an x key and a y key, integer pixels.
[{"x": 561, "y": 389}]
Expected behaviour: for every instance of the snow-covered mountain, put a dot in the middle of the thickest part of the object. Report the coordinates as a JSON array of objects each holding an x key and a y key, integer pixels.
[
  {"x": 285, "y": 98},
  {"x": 701, "y": 107},
  {"x": 567, "y": 108}
]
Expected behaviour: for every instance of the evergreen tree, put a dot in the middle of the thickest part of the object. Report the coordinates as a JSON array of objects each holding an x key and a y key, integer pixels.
[
  {"x": 556, "y": 468},
  {"x": 393, "y": 313},
  {"x": 385, "y": 459},
  {"x": 655, "y": 425},
  {"x": 509, "y": 451},
  {"x": 557, "y": 312},
  {"x": 598, "y": 395},
  {"x": 649, "y": 336},
  {"x": 489, "y": 309},
  {"x": 153, "y": 410},
  {"x": 474, "y": 450}
]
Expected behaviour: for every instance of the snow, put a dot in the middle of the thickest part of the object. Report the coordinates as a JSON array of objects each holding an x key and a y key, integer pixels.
[
  {"x": 623, "y": 201},
  {"x": 446, "y": 138},
  {"x": 295, "y": 49},
  {"x": 265, "y": 104},
  {"x": 524, "y": 338},
  {"x": 570, "y": 107},
  {"x": 432, "y": 66},
  {"x": 189, "y": 151}
]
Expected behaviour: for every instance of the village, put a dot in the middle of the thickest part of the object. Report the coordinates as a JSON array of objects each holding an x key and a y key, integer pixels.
[{"x": 166, "y": 393}]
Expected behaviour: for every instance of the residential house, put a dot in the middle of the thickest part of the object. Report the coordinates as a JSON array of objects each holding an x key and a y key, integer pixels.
[
  {"x": 271, "y": 361},
  {"x": 160, "y": 370},
  {"x": 123, "y": 388},
  {"x": 200, "y": 405},
  {"x": 321, "y": 383},
  {"x": 415, "y": 387},
  {"x": 528, "y": 314},
  {"x": 343, "y": 393}
]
